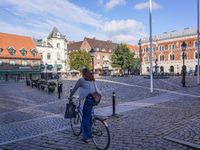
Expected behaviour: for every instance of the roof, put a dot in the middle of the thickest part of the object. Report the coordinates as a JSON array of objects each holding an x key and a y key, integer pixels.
[
  {"x": 133, "y": 47},
  {"x": 74, "y": 45},
  {"x": 39, "y": 42},
  {"x": 56, "y": 34},
  {"x": 172, "y": 34},
  {"x": 17, "y": 42},
  {"x": 101, "y": 44}
]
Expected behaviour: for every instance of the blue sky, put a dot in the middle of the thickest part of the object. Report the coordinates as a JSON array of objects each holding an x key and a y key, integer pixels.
[{"x": 116, "y": 20}]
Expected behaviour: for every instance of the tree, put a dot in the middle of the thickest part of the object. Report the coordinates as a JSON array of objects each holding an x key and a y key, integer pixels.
[
  {"x": 79, "y": 60},
  {"x": 123, "y": 58}
]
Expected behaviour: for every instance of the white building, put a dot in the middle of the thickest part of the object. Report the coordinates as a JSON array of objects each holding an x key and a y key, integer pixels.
[{"x": 53, "y": 52}]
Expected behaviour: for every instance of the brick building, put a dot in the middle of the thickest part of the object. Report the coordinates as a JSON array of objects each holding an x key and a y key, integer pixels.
[
  {"x": 18, "y": 57},
  {"x": 167, "y": 50},
  {"x": 103, "y": 50}
]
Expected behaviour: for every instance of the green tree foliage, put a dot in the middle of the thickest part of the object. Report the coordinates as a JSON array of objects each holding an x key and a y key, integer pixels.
[
  {"x": 123, "y": 58},
  {"x": 79, "y": 60}
]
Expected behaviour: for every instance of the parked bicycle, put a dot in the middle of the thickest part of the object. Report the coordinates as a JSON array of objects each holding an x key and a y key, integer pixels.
[{"x": 100, "y": 132}]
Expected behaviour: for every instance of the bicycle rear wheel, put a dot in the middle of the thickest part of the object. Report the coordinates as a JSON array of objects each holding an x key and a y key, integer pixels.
[
  {"x": 76, "y": 124},
  {"x": 100, "y": 134}
]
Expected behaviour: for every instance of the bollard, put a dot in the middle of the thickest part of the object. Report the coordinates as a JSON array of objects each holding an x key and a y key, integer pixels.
[
  {"x": 113, "y": 96},
  {"x": 70, "y": 89},
  {"x": 59, "y": 89}
]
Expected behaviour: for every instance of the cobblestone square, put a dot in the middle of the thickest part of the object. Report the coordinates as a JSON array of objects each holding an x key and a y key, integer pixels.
[{"x": 33, "y": 119}]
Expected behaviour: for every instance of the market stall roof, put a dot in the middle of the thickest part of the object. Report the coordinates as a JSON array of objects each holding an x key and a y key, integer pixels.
[{"x": 74, "y": 70}]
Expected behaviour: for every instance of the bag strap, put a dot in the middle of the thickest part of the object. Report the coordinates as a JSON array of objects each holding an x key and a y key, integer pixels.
[{"x": 94, "y": 87}]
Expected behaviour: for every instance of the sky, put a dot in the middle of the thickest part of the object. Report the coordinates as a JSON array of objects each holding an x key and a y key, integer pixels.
[{"x": 116, "y": 20}]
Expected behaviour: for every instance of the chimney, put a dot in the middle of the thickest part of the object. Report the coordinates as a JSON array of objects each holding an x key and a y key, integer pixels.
[
  {"x": 73, "y": 41},
  {"x": 94, "y": 38},
  {"x": 70, "y": 42},
  {"x": 109, "y": 41}
]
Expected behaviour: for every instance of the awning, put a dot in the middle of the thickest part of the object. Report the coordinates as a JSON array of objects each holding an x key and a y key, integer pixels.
[
  {"x": 74, "y": 71},
  {"x": 59, "y": 66},
  {"x": 42, "y": 66},
  {"x": 20, "y": 72},
  {"x": 50, "y": 66}
]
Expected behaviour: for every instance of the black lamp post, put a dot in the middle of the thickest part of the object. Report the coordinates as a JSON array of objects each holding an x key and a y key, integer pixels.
[
  {"x": 46, "y": 71},
  {"x": 92, "y": 55},
  {"x": 183, "y": 46}
]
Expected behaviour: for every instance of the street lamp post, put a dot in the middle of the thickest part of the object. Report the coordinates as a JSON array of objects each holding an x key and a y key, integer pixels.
[
  {"x": 92, "y": 55},
  {"x": 183, "y": 46},
  {"x": 46, "y": 71}
]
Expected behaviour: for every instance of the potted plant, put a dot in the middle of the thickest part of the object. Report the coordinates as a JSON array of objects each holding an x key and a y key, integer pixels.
[
  {"x": 52, "y": 86},
  {"x": 34, "y": 82},
  {"x": 42, "y": 84}
]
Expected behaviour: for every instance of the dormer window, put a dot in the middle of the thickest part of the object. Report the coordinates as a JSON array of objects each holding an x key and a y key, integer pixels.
[
  {"x": 1, "y": 51},
  {"x": 11, "y": 50},
  {"x": 33, "y": 52},
  {"x": 58, "y": 35},
  {"x": 23, "y": 51}
]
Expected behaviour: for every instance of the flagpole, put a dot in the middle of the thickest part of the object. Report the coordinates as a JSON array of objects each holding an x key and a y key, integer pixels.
[
  {"x": 198, "y": 40},
  {"x": 151, "y": 66}
]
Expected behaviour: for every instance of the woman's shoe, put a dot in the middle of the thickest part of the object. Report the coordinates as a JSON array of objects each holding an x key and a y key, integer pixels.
[{"x": 85, "y": 140}]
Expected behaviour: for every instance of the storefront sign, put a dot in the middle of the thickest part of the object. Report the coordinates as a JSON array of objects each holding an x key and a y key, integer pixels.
[{"x": 24, "y": 67}]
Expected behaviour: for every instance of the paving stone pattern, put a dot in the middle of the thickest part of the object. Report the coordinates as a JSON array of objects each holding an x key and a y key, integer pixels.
[{"x": 33, "y": 119}]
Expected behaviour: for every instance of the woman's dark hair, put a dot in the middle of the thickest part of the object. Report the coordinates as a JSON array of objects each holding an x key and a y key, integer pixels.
[{"x": 87, "y": 75}]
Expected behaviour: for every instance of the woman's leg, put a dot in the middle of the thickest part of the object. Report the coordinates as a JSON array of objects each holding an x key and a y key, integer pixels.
[{"x": 86, "y": 124}]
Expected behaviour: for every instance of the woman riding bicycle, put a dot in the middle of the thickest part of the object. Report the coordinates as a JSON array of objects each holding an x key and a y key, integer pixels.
[{"x": 87, "y": 86}]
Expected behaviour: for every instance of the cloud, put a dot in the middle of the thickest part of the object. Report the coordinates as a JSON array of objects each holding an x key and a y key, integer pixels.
[
  {"x": 146, "y": 5},
  {"x": 43, "y": 15},
  {"x": 128, "y": 31},
  {"x": 112, "y": 3}
]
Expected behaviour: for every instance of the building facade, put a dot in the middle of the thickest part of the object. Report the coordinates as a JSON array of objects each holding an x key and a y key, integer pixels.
[
  {"x": 53, "y": 52},
  {"x": 103, "y": 50},
  {"x": 19, "y": 58},
  {"x": 167, "y": 51}
]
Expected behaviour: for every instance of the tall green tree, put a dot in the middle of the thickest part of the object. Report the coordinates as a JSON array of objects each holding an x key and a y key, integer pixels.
[
  {"x": 123, "y": 58},
  {"x": 79, "y": 60}
]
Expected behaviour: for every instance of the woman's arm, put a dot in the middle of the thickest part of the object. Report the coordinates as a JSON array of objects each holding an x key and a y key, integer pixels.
[{"x": 78, "y": 84}]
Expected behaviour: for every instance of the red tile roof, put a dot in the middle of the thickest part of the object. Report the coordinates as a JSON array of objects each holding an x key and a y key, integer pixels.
[
  {"x": 17, "y": 42},
  {"x": 133, "y": 47}
]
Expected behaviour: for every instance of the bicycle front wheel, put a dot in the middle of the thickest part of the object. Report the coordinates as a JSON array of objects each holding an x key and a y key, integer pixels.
[
  {"x": 76, "y": 124},
  {"x": 100, "y": 134}
]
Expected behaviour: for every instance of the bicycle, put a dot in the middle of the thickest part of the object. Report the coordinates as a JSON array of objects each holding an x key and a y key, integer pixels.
[{"x": 100, "y": 132}]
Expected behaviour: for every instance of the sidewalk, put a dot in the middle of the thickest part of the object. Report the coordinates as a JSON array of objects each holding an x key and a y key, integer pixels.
[{"x": 128, "y": 106}]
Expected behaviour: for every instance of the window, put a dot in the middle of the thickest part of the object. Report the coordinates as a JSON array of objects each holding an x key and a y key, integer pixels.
[
  {"x": 24, "y": 63},
  {"x": 171, "y": 57},
  {"x": 196, "y": 44},
  {"x": 41, "y": 55},
  {"x": 185, "y": 55},
  {"x": 58, "y": 45},
  {"x": 103, "y": 50},
  {"x": 163, "y": 48},
  {"x": 170, "y": 47},
  {"x": 1, "y": 62},
  {"x": 58, "y": 56},
  {"x": 11, "y": 50},
  {"x": 196, "y": 55},
  {"x": 110, "y": 50},
  {"x": 97, "y": 49},
  {"x": 35, "y": 63},
  {"x": 145, "y": 58},
  {"x": 154, "y": 57},
  {"x": 173, "y": 46},
  {"x": 154, "y": 49},
  {"x": 162, "y": 57},
  {"x": 171, "y": 69},
  {"x": 12, "y": 62},
  {"x": 44, "y": 43},
  {"x": 88, "y": 49},
  {"x": 148, "y": 70},
  {"x": 23, "y": 51},
  {"x": 98, "y": 63},
  {"x": 83, "y": 49},
  {"x": 33, "y": 52},
  {"x": 48, "y": 56},
  {"x": 160, "y": 48},
  {"x": 98, "y": 56}
]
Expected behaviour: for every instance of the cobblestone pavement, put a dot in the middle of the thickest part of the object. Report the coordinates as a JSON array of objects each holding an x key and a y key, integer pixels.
[{"x": 32, "y": 119}]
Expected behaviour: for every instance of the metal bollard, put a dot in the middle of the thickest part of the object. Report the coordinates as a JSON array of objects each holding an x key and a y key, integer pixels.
[
  {"x": 113, "y": 96},
  {"x": 59, "y": 89}
]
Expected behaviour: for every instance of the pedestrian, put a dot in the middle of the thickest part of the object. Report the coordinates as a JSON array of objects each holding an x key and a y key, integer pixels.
[{"x": 87, "y": 86}]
